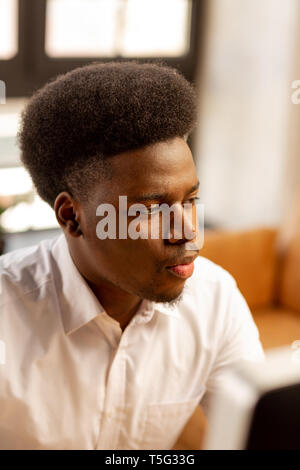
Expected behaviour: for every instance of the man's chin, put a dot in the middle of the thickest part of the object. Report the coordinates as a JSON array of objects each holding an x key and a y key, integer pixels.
[
  {"x": 175, "y": 301},
  {"x": 167, "y": 298}
]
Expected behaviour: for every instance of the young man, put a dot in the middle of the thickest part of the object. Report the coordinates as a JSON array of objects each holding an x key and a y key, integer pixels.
[{"x": 112, "y": 341}]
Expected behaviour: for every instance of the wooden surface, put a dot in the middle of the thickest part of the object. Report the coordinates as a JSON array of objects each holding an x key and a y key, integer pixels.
[{"x": 193, "y": 433}]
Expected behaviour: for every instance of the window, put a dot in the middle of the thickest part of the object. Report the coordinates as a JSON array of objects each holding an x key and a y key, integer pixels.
[
  {"x": 14, "y": 181},
  {"x": 8, "y": 29},
  {"x": 20, "y": 207},
  {"x": 9, "y": 121},
  {"x": 111, "y": 28},
  {"x": 40, "y": 39}
]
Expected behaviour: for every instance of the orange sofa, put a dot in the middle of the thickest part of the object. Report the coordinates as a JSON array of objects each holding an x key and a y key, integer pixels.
[{"x": 267, "y": 272}]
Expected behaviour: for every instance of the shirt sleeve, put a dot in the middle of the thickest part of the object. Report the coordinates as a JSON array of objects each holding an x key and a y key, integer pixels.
[{"x": 240, "y": 341}]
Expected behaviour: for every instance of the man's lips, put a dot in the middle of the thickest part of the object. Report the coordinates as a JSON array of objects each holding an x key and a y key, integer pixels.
[{"x": 183, "y": 269}]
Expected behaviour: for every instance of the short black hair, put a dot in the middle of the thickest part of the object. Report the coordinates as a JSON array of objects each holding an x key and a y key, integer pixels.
[{"x": 72, "y": 125}]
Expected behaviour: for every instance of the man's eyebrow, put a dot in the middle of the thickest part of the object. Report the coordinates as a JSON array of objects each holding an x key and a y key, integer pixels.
[{"x": 159, "y": 196}]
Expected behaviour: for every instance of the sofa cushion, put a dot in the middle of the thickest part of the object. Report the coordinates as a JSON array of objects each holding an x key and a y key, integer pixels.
[
  {"x": 277, "y": 326},
  {"x": 250, "y": 257},
  {"x": 289, "y": 282}
]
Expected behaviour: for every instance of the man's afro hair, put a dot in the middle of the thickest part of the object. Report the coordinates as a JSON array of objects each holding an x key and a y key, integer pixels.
[{"x": 74, "y": 123}]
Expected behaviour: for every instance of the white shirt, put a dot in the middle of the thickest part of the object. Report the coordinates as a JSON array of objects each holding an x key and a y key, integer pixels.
[{"x": 72, "y": 380}]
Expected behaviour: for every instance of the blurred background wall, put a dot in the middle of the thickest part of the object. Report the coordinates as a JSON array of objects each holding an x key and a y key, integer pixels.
[
  {"x": 247, "y": 148},
  {"x": 241, "y": 55}
]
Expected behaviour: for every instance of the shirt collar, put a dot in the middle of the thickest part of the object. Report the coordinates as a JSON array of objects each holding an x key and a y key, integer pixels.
[
  {"x": 148, "y": 308},
  {"x": 79, "y": 303}
]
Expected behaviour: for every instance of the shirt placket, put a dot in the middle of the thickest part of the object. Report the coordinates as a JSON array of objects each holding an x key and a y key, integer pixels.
[
  {"x": 114, "y": 414},
  {"x": 114, "y": 403}
]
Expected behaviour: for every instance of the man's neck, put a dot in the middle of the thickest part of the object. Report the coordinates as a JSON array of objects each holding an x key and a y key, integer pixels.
[{"x": 119, "y": 305}]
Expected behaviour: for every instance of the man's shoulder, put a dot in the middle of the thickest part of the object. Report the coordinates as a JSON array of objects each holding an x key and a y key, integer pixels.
[
  {"x": 209, "y": 289},
  {"x": 208, "y": 271},
  {"x": 26, "y": 267}
]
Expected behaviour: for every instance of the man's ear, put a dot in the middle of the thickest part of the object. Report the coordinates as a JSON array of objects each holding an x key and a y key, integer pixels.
[{"x": 67, "y": 214}]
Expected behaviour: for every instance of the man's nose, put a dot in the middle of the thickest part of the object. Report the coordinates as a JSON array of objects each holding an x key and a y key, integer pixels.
[{"x": 183, "y": 225}]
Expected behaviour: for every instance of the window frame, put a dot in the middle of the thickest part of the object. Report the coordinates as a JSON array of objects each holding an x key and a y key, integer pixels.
[{"x": 30, "y": 68}]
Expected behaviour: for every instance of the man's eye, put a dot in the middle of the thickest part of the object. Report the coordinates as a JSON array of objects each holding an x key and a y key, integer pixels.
[
  {"x": 151, "y": 209},
  {"x": 154, "y": 208},
  {"x": 194, "y": 199}
]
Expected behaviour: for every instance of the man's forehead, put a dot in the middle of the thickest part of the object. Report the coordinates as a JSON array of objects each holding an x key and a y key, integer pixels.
[{"x": 150, "y": 163}]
